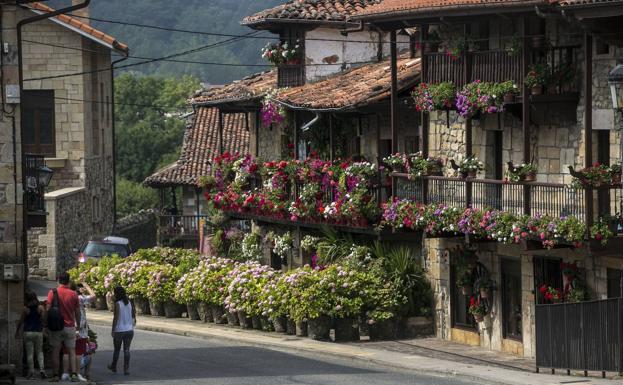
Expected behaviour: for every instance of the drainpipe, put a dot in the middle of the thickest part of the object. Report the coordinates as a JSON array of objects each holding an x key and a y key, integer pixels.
[
  {"x": 114, "y": 144},
  {"x": 20, "y": 71}
]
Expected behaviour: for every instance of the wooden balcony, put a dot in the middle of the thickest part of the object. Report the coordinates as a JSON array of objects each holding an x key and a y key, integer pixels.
[
  {"x": 290, "y": 75},
  {"x": 530, "y": 198},
  {"x": 179, "y": 227}
]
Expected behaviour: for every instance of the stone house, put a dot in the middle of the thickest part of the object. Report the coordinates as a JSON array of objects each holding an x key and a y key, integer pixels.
[
  {"x": 67, "y": 121},
  {"x": 573, "y": 124},
  {"x": 202, "y": 143}
]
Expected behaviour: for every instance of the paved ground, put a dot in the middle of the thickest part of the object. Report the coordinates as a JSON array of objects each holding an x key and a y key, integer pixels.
[{"x": 167, "y": 359}]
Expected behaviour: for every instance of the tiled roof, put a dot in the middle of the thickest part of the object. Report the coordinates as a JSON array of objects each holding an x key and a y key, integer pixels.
[
  {"x": 586, "y": 2},
  {"x": 250, "y": 88},
  {"x": 399, "y": 7},
  {"x": 201, "y": 146},
  {"x": 84, "y": 27},
  {"x": 355, "y": 88},
  {"x": 311, "y": 10}
]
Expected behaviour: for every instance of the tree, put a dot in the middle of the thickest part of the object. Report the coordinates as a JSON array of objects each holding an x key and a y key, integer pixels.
[
  {"x": 133, "y": 197},
  {"x": 149, "y": 126}
]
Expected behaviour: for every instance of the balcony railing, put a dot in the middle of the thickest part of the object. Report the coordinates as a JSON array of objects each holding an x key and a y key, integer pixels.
[
  {"x": 179, "y": 226},
  {"x": 517, "y": 198},
  {"x": 290, "y": 75}
]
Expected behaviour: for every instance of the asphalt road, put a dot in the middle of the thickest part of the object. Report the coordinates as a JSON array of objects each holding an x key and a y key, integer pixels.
[{"x": 164, "y": 359}]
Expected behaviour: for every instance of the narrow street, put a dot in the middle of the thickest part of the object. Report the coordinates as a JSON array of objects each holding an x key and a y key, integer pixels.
[{"x": 167, "y": 359}]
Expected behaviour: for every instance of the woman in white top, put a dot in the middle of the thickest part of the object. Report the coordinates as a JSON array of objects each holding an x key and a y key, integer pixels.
[{"x": 122, "y": 329}]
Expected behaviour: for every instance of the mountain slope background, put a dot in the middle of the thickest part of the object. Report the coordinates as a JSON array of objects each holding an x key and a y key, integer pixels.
[{"x": 219, "y": 16}]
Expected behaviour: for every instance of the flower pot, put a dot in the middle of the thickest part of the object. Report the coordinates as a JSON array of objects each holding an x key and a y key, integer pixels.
[
  {"x": 244, "y": 321},
  {"x": 256, "y": 322},
  {"x": 232, "y": 319},
  {"x": 100, "y": 303},
  {"x": 472, "y": 174},
  {"x": 479, "y": 317},
  {"x": 346, "y": 330},
  {"x": 616, "y": 179},
  {"x": 290, "y": 327},
  {"x": 267, "y": 324},
  {"x": 319, "y": 328},
  {"x": 302, "y": 329},
  {"x": 156, "y": 308},
  {"x": 173, "y": 310},
  {"x": 485, "y": 293},
  {"x": 383, "y": 330},
  {"x": 464, "y": 174},
  {"x": 536, "y": 90},
  {"x": 218, "y": 315},
  {"x": 466, "y": 290},
  {"x": 142, "y": 306},
  {"x": 203, "y": 309},
  {"x": 280, "y": 324},
  {"x": 192, "y": 311},
  {"x": 530, "y": 177},
  {"x": 509, "y": 98}
]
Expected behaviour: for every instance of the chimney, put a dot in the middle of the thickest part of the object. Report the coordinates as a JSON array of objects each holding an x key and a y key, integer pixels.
[{"x": 84, "y": 12}]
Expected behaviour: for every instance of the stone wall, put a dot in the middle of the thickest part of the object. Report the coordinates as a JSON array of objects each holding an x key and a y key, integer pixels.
[{"x": 140, "y": 228}]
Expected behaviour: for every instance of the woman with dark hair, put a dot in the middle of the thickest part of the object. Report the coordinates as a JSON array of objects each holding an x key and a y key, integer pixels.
[
  {"x": 123, "y": 323},
  {"x": 32, "y": 321}
]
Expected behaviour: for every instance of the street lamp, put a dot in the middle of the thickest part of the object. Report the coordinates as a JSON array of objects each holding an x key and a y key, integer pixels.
[
  {"x": 615, "y": 79},
  {"x": 44, "y": 176}
]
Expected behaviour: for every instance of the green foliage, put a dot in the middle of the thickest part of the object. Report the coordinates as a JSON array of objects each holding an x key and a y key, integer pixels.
[
  {"x": 133, "y": 197},
  {"x": 146, "y": 135},
  {"x": 333, "y": 246}
]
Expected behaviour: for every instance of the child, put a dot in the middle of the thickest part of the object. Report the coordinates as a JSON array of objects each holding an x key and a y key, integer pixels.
[{"x": 87, "y": 358}]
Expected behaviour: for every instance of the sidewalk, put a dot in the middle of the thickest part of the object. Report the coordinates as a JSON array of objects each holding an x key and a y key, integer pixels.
[{"x": 412, "y": 355}]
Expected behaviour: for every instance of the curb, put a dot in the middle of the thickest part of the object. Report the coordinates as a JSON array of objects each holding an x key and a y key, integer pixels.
[{"x": 350, "y": 357}]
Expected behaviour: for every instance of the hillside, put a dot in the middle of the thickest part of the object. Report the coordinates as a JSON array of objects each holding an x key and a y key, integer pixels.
[{"x": 221, "y": 16}]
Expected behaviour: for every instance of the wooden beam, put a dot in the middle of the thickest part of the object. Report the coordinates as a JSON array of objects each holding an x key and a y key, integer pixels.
[
  {"x": 296, "y": 134},
  {"x": 331, "y": 135},
  {"x": 394, "y": 90},
  {"x": 424, "y": 117},
  {"x": 588, "y": 119},
  {"x": 220, "y": 131},
  {"x": 525, "y": 113}
]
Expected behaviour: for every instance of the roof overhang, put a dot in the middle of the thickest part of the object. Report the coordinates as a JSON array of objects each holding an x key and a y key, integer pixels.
[
  {"x": 113, "y": 47},
  {"x": 275, "y": 24}
]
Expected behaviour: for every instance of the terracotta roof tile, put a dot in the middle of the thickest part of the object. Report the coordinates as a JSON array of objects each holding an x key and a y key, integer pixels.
[
  {"x": 201, "y": 146},
  {"x": 355, "y": 88},
  {"x": 311, "y": 10},
  {"x": 586, "y": 2},
  {"x": 253, "y": 87},
  {"x": 84, "y": 27},
  {"x": 399, "y": 7}
]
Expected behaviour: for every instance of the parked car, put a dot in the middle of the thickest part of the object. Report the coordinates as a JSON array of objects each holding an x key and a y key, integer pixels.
[{"x": 97, "y": 248}]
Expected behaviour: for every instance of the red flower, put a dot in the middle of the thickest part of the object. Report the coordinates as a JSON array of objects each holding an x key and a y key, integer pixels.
[
  {"x": 290, "y": 145},
  {"x": 543, "y": 289}
]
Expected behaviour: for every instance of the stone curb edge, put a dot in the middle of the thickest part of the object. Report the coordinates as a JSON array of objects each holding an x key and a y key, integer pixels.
[{"x": 436, "y": 373}]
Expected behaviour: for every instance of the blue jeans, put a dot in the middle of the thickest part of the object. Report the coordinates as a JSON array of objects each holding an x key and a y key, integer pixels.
[{"x": 124, "y": 338}]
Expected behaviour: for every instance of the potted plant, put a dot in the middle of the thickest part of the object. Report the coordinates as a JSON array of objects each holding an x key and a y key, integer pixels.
[
  {"x": 484, "y": 287},
  {"x": 478, "y": 97},
  {"x": 596, "y": 175},
  {"x": 551, "y": 294},
  {"x": 470, "y": 166},
  {"x": 282, "y": 53},
  {"x": 508, "y": 90},
  {"x": 430, "y": 97},
  {"x": 420, "y": 166},
  {"x": 396, "y": 162},
  {"x": 536, "y": 78},
  {"x": 601, "y": 231},
  {"x": 477, "y": 309},
  {"x": 524, "y": 172}
]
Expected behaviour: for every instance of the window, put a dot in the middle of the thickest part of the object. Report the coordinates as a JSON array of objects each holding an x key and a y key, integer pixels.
[
  {"x": 511, "y": 298},
  {"x": 615, "y": 283},
  {"x": 601, "y": 47},
  {"x": 38, "y": 122},
  {"x": 459, "y": 304},
  {"x": 546, "y": 272}
]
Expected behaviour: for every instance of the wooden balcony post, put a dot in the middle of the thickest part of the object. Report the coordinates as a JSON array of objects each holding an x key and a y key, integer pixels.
[
  {"x": 525, "y": 114},
  {"x": 394, "y": 97},
  {"x": 469, "y": 150},
  {"x": 220, "y": 131},
  {"x": 424, "y": 117},
  {"x": 331, "y": 144},
  {"x": 588, "y": 119}
]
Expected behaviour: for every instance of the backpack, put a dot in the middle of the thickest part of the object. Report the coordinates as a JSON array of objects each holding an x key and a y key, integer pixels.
[{"x": 55, "y": 319}]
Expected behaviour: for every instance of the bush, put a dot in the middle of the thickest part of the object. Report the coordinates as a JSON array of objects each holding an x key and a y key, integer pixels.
[
  {"x": 245, "y": 286},
  {"x": 133, "y": 197}
]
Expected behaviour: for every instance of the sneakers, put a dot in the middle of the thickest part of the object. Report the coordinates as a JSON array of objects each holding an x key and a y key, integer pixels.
[
  {"x": 112, "y": 368},
  {"x": 81, "y": 378},
  {"x": 65, "y": 377},
  {"x": 74, "y": 377},
  {"x": 54, "y": 378}
]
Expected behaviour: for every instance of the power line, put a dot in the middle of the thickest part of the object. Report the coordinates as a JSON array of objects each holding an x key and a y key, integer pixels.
[{"x": 183, "y": 53}]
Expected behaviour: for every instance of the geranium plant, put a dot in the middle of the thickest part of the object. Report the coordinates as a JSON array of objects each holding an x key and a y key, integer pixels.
[
  {"x": 524, "y": 171},
  {"x": 282, "y": 53},
  {"x": 601, "y": 232},
  {"x": 430, "y": 97},
  {"x": 537, "y": 76},
  {"x": 470, "y": 166},
  {"x": 551, "y": 294},
  {"x": 477, "y": 309},
  {"x": 596, "y": 175},
  {"x": 420, "y": 166},
  {"x": 397, "y": 162}
]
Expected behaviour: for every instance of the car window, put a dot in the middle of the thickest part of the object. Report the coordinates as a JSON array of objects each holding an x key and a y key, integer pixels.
[{"x": 95, "y": 249}]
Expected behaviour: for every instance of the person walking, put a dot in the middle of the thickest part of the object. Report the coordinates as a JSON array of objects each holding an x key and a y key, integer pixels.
[
  {"x": 32, "y": 320},
  {"x": 63, "y": 314},
  {"x": 122, "y": 332}
]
